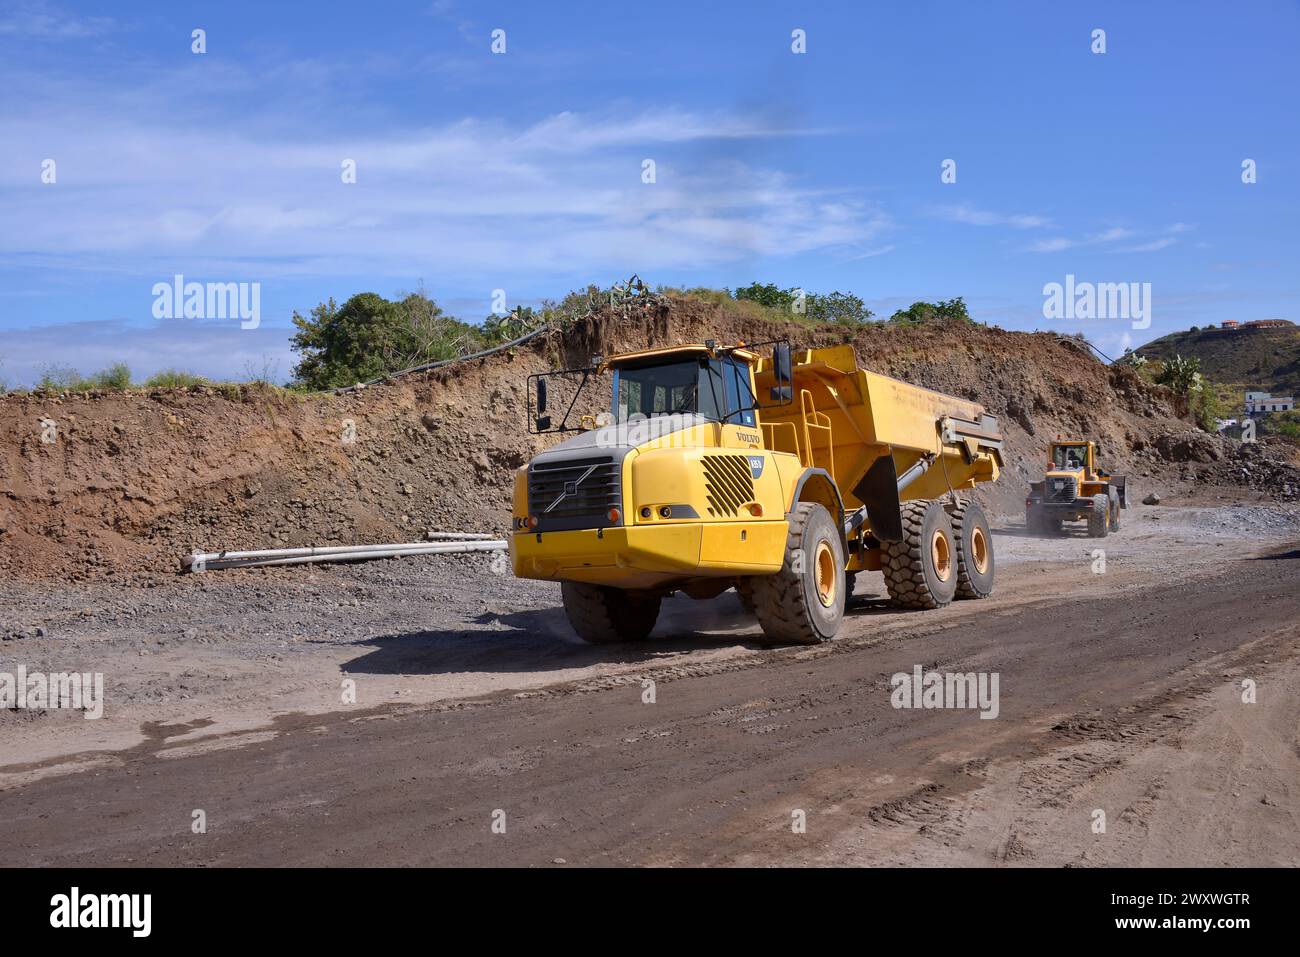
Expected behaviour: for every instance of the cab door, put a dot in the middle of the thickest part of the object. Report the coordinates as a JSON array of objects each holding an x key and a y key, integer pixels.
[{"x": 740, "y": 419}]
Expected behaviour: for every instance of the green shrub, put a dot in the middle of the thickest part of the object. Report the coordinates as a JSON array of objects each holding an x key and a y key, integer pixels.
[
  {"x": 116, "y": 376},
  {"x": 1207, "y": 407},
  {"x": 57, "y": 378},
  {"x": 919, "y": 313},
  {"x": 174, "y": 379},
  {"x": 1281, "y": 423},
  {"x": 840, "y": 308},
  {"x": 369, "y": 337},
  {"x": 1181, "y": 375}
]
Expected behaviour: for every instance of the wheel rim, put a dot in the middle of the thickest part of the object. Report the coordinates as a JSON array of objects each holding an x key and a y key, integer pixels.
[
  {"x": 941, "y": 555},
  {"x": 979, "y": 547},
  {"x": 826, "y": 577}
]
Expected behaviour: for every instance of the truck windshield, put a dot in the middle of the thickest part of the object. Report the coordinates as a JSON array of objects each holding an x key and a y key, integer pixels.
[
  {"x": 708, "y": 387},
  {"x": 1069, "y": 456}
]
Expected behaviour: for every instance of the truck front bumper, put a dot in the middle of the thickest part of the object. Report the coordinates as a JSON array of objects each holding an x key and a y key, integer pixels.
[
  {"x": 1074, "y": 509},
  {"x": 646, "y": 556}
]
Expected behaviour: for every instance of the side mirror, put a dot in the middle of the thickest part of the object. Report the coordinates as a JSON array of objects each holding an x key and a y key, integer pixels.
[
  {"x": 783, "y": 372},
  {"x": 542, "y": 420}
]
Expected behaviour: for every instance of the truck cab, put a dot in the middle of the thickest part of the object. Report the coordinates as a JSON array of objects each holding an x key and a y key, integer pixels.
[{"x": 672, "y": 486}]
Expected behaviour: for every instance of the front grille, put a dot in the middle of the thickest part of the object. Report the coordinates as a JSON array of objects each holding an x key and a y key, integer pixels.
[
  {"x": 1062, "y": 489},
  {"x": 574, "y": 493},
  {"x": 728, "y": 483}
]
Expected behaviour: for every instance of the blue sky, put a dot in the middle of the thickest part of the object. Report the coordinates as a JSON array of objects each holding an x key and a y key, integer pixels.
[{"x": 523, "y": 171}]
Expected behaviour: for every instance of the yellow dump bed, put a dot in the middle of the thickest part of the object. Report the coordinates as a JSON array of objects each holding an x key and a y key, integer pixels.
[{"x": 846, "y": 420}]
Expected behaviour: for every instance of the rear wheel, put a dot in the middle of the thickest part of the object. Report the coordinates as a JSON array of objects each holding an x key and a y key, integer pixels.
[
  {"x": 1099, "y": 516},
  {"x": 974, "y": 543},
  {"x": 804, "y": 602},
  {"x": 921, "y": 570},
  {"x": 602, "y": 615}
]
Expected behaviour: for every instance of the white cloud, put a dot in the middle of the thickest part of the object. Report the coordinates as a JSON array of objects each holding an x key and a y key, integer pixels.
[
  {"x": 1153, "y": 246},
  {"x": 218, "y": 350},
  {"x": 1111, "y": 235},
  {"x": 1108, "y": 238},
  {"x": 45, "y": 21},
  {"x": 869, "y": 253},
  {"x": 467, "y": 199},
  {"x": 972, "y": 216},
  {"x": 1051, "y": 245}
]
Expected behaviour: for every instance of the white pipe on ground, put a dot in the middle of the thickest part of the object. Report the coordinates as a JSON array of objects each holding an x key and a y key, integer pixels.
[{"x": 199, "y": 562}]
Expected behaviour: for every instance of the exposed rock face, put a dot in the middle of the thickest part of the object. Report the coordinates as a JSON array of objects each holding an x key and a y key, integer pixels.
[
  {"x": 1192, "y": 445},
  {"x": 136, "y": 479}
]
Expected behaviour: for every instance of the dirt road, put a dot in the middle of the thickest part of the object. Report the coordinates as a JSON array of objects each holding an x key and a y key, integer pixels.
[{"x": 1119, "y": 692}]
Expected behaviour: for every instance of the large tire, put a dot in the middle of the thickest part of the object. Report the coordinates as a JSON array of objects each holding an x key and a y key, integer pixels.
[
  {"x": 746, "y": 595},
  {"x": 974, "y": 543},
  {"x": 602, "y": 615},
  {"x": 803, "y": 603},
  {"x": 1034, "y": 524},
  {"x": 921, "y": 570},
  {"x": 1114, "y": 510},
  {"x": 1099, "y": 517}
]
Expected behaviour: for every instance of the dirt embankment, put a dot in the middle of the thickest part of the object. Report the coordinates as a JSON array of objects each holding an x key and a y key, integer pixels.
[{"x": 131, "y": 481}]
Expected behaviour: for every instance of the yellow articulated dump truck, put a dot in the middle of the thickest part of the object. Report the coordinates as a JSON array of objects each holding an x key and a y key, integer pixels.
[{"x": 778, "y": 473}]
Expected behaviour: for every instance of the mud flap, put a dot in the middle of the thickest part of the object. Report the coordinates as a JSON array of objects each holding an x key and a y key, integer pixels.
[{"x": 878, "y": 491}]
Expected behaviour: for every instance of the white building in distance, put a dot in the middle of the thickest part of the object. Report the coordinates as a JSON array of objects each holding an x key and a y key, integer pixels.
[{"x": 1262, "y": 403}]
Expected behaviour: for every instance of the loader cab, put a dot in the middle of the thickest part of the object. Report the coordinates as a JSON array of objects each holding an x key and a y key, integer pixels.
[
  {"x": 692, "y": 380},
  {"x": 1071, "y": 457}
]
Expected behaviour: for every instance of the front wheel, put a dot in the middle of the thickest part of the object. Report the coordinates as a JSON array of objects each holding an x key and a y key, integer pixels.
[
  {"x": 1099, "y": 517},
  {"x": 602, "y": 615},
  {"x": 1034, "y": 524},
  {"x": 745, "y": 592},
  {"x": 803, "y": 603}
]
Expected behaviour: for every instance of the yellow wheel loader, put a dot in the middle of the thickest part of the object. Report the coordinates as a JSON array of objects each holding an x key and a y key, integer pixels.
[
  {"x": 778, "y": 473},
  {"x": 1075, "y": 488}
]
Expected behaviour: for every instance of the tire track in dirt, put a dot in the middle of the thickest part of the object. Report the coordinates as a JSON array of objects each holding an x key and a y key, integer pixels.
[{"x": 710, "y": 773}]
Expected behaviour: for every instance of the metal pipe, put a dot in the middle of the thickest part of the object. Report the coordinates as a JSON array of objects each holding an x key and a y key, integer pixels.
[
  {"x": 918, "y": 468},
  {"x": 334, "y": 553},
  {"x": 342, "y": 549},
  {"x": 853, "y": 521}
]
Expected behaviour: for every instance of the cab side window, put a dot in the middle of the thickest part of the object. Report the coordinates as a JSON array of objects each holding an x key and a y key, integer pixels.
[{"x": 738, "y": 394}]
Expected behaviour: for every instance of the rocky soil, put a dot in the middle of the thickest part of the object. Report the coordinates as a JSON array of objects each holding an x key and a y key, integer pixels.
[{"x": 132, "y": 481}]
